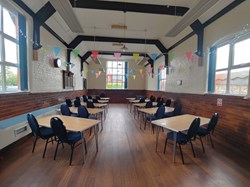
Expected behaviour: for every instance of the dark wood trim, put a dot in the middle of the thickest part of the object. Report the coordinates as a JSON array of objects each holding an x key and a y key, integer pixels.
[
  {"x": 131, "y": 7},
  {"x": 198, "y": 28},
  {"x": 45, "y": 12}
]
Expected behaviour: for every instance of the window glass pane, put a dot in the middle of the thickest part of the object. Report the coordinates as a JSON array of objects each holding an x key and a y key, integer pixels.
[
  {"x": 11, "y": 78},
  {"x": 1, "y": 79},
  {"x": 0, "y": 18},
  {"x": 115, "y": 75},
  {"x": 10, "y": 23},
  {"x": 1, "y": 48},
  {"x": 109, "y": 64},
  {"x": 11, "y": 54},
  {"x": 222, "y": 57},
  {"x": 114, "y": 71},
  {"x": 220, "y": 82},
  {"x": 115, "y": 64},
  {"x": 241, "y": 52},
  {"x": 239, "y": 81}
]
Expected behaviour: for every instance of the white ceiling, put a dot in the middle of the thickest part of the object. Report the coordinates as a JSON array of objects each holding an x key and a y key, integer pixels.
[{"x": 140, "y": 25}]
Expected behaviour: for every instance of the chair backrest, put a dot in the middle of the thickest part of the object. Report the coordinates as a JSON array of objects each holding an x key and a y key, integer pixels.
[
  {"x": 90, "y": 104},
  {"x": 193, "y": 129},
  {"x": 33, "y": 124},
  {"x": 77, "y": 103},
  {"x": 159, "y": 103},
  {"x": 98, "y": 97},
  {"x": 95, "y": 101},
  {"x": 144, "y": 97},
  {"x": 68, "y": 102},
  {"x": 89, "y": 97},
  {"x": 78, "y": 98},
  {"x": 149, "y": 104},
  {"x": 59, "y": 129},
  {"x": 158, "y": 99},
  {"x": 83, "y": 112},
  {"x": 152, "y": 98},
  {"x": 212, "y": 123},
  {"x": 160, "y": 112},
  {"x": 65, "y": 110},
  {"x": 177, "y": 110},
  {"x": 142, "y": 100},
  {"x": 137, "y": 97},
  {"x": 168, "y": 102},
  {"x": 85, "y": 99}
]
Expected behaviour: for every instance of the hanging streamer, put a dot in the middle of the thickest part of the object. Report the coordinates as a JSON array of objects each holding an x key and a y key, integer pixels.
[
  {"x": 75, "y": 52},
  {"x": 136, "y": 56},
  {"x": 57, "y": 50},
  {"x": 117, "y": 56},
  {"x": 95, "y": 54},
  {"x": 189, "y": 55},
  {"x": 154, "y": 56}
]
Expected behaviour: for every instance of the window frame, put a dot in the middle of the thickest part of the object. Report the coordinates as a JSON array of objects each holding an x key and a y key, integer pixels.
[
  {"x": 160, "y": 73},
  {"x": 212, "y": 65},
  {"x": 124, "y": 77}
]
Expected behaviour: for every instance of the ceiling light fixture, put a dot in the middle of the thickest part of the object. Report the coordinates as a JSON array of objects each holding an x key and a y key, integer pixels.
[{"x": 193, "y": 14}]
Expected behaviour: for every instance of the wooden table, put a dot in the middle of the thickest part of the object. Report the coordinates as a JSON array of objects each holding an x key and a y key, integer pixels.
[
  {"x": 136, "y": 101},
  {"x": 105, "y": 98},
  {"x": 141, "y": 105},
  {"x": 176, "y": 124},
  {"x": 129, "y": 99},
  {"x": 93, "y": 111},
  {"x": 74, "y": 124}
]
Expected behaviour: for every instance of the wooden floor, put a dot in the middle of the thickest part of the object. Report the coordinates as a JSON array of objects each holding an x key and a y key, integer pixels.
[{"x": 126, "y": 157}]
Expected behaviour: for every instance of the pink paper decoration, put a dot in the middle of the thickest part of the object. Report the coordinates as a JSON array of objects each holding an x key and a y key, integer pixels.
[
  {"x": 142, "y": 76},
  {"x": 161, "y": 67},
  {"x": 117, "y": 56},
  {"x": 95, "y": 54},
  {"x": 150, "y": 70},
  {"x": 96, "y": 75},
  {"x": 189, "y": 55}
]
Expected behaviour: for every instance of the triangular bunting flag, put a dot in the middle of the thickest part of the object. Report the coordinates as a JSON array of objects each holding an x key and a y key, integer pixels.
[
  {"x": 161, "y": 67},
  {"x": 134, "y": 76},
  {"x": 150, "y": 70},
  {"x": 154, "y": 56},
  {"x": 95, "y": 54},
  {"x": 85, "y": 72},
  {"x": 75, "y": 52},
  {"x": 96, "y": 75},
  {"x": 136, "y": 56},
  {"x": 142, "y": 76},
  {"x": 140, "y": 71},
  {"x": 93, "y": 71},
  {"x": 170, "y": 56},
  {"x": 132, "y": 72},
  {"x": 57, "y": 50},
  {"x": 189, "y": 55},
  {"x": 99, "y": 72},
  {"x": 117, "y": 56}
]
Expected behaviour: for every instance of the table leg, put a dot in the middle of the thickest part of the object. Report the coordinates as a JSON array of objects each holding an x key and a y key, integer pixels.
[
  {"x": 174, "y": 146},
  {"x": 83, "y": 148},
  {"x": 157, "y": 137},
  {"x": 96, "y": 137},
  {"x": 101, "y": 120}
]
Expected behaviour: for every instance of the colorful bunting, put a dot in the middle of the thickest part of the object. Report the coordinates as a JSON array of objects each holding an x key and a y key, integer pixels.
[
  {"x": 95, "y": 54},
  {"x": 142, "y": 76},
  {"x": 170, "y": 56},
  {"x": 96, "y": 75},
  {"x": 85, "y": 72},
  {"x": 154, "y": 56},
  {"x": 140, "y": 71},
  {"x": 99, "y": 72},
  {"x": 43, "y": 50},
  {"x": 75, "y": 52},
  {"x": 189, "y": 55},
  {"x": 57, "y": 50},
  {"x": 150, "y": 70},
  {"x": 117, "y": 56},
  {"x": 132, "y": 72},
  {"x": 136, "y": 56},
  {"x": 93, "y": 71},
  {"x": 134, "y": 76},
  {"x": 161, "y": 67}
]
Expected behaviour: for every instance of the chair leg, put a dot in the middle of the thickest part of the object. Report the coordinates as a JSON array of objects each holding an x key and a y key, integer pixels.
[
  {"x": 211, "y": 141},
  {"x": 202, "y": 144},
  {"x": 56, "y": 150},
  {"x": 45, "y": 147},
  {"x": 34, "y": 145},
  {"x": 90, "y": 131},
  {"x": 166, "y": 141},
  {"x": 181, "y": 154},
  {"x": 85, "y": 145},
  {"x": 153, "y": 128},
  {"x": 145, "y": 124},
  {"x": 192, "y": 148},
  {"x": 71, "y": 155}
]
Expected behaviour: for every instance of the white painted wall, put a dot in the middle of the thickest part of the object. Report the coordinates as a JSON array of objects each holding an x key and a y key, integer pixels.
[
  {"x": 194, "y": 77},
  {"x": 43, "y": 76},
  {"x": 100, "y": 83}
]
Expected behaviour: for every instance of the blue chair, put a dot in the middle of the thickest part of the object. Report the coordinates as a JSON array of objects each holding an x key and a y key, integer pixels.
[
  {"x": 43, "y": 132},
  {"x": 152, "y": 98},
  {"x": 77, "y": 103},
  {"x": 98, "y": 97},
  {"x": 90, "y": 97},
  {"x": 90, "y": 104},
  {"x": 142, "y": 100},
  {"x": 68, "y": 102},
  {"x": 66, "y": 112},
  {"x": 95, "y": 101},
  {"x": 209, "y": 130},
  {"x": 78, "y": 98},
  {"x": 159, "y": 103},
  {"x": 158, "y": 99},
  {"x": 63, "y": 136},
  {"x": 168, "y": 102},
  {"x": 182, "y": 138},
  {"x": 149, "y": 104},
  {"x": 83, "y": 113},
  {"x": 158, "y": 115},
  {"x": 176, "y": 112},
  {"x": 85, "y": 99}
]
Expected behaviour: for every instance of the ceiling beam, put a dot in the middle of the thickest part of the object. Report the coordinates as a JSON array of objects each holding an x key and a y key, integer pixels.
[
  {"x": 130, "y": 7},
  {"x": 81, "y": 38}
]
